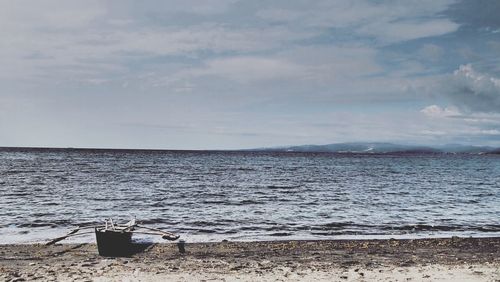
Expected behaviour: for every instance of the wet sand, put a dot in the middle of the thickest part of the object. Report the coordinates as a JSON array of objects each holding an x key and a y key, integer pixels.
[{"x": 452, "y": 259}]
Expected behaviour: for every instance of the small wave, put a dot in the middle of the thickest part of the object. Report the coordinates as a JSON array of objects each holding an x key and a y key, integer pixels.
[
  {"x": 277, "y": 187},
  {"x": 423, "y": 227},
  {"x": 280, "y": 234},
  {"x": 336, "y": 226},
  {"x": 18, "y": 194},
  {"x": 446, "y": 228},
  {"x": 12, "y": 172},
  {"x": 230, "y": 232},
  {"x": 39, "y": 223},
  {"x": 159, "y": 221},
  {"x": 205, "y": 223},
  {"x": 201, "y": 230},
  {"x": 206, "y": 231},
  {"x": 32, "y": 224},
  {"x": 489, "y": 228},
  {"x": 334, "y": 233},
  {"x": 275, "y": 228},
  {"x": 246, "y": 202},
  {"x": 248, "y": 228},
  {"x": 214, "y": 202},
  {"x": 245, "y": 169},
  {"x": 41, "y": 214},
  {"x": 51, "y": 204}
]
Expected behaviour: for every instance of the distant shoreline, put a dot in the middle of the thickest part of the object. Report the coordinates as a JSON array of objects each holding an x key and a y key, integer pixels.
[{"x": 236, "y": 151}]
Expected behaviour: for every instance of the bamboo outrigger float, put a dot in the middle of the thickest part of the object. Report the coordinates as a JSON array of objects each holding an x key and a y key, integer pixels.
[{"x": 115, "y": 239}]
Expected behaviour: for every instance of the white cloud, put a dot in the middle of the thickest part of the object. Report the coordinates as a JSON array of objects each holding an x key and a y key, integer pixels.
[
  {"x": 312, "y": 74},
  {"x": 391, "y": 32},
  {"x": 92, "y": 53},
  {"x": 437, "y": 111},
  {"x": 449, "y": 123},
  {"x": 252, "y": 69},
  {"x": 335, "y": 63},
  {"x": 239, "y": 69},
  {"x": 386, "y": 21}
]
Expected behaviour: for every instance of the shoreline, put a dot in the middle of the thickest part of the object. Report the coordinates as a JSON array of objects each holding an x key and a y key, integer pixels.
[
  {"x": 40, "y": 236},
  {"x": 472, "y": 259}
]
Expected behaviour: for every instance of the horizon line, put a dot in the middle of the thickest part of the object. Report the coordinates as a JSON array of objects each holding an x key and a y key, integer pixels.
[{"x": 256, "y": 149}]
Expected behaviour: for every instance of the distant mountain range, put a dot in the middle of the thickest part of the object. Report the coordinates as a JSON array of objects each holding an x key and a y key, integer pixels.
[{"x": 384, "y": 148}]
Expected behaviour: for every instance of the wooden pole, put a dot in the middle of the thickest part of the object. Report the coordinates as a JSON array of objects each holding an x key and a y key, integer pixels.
[
  {"x": 165, "y": 234},
  {"x": 53, "y": 241}
]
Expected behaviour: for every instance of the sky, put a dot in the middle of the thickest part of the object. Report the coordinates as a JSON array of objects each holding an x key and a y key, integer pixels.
[{"x": 229, "y": 74}]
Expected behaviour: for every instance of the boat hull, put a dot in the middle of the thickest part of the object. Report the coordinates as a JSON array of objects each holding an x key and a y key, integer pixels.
[{"x": 112, "y": 243}]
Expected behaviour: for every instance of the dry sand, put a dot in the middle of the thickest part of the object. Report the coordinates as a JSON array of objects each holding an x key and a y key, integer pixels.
[{"x": 453, "y": 259}]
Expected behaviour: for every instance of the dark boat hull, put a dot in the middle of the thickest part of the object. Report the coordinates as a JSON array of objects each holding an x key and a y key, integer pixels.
[{"x": 113, "y": 243}]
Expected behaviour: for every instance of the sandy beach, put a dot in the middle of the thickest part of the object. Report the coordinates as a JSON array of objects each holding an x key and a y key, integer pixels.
[{"x": 451, "y": 259}]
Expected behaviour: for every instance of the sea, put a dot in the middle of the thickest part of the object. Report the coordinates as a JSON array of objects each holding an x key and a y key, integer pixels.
[{"x": 210, "y": 196}]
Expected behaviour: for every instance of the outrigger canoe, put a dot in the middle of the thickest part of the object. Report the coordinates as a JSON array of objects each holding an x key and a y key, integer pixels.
[{"x": 115, "y": 239}]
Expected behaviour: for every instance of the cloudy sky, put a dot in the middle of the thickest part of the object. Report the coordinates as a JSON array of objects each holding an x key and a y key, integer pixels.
[{"x": 229, "y": 74}]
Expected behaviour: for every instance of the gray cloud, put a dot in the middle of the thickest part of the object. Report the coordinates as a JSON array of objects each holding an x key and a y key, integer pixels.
[
  {"x": 476, "y": 14},
  {"x": 472, "y": 90}
]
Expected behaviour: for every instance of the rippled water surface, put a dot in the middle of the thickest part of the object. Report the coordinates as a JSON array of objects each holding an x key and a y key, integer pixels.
[{"x": 210, "y": 196}]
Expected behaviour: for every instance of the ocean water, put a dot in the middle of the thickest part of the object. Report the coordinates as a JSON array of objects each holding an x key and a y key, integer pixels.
[{"x": 211, "y": 196}]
